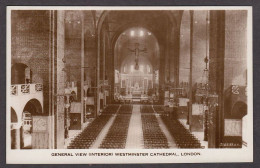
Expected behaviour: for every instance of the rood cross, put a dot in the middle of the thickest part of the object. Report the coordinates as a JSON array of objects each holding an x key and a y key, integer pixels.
[{"x": 137, "y": 51}]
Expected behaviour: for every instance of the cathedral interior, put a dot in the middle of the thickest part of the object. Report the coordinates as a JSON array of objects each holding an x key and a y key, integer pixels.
[{"x": 128, "y": 79}]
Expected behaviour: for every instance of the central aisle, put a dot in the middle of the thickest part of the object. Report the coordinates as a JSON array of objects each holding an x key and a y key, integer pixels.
[
  {"x": 135, "y": 133},
  {"x": 103, "y": 133}
]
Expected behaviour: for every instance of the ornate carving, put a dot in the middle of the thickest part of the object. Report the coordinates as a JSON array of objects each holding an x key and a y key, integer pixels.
[
  {"x": 38, "y": 87},
  {"x": 25, "y": 88},
  {"x": 235, "y": 89},
  {"x": 14, "y": 90}
]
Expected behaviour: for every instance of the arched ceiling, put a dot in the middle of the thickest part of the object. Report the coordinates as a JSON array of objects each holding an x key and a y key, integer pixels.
[
  {"x": 115, "y": 22},
  {"x": 73, "y": 23},
  {"x": 156, "y": 21},
  {"x": 126, "y": 42}
]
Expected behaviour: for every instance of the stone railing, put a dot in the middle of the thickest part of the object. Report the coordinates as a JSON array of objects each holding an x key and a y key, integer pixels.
[{"x": 22, "y": 89}]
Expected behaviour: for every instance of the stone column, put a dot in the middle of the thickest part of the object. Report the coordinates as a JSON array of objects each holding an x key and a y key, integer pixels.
[
  {"x": 104, "y": 68},
  {"x": 167, "y": 54},
  {"x": 101, "y": 68},
  {"x": 82, "y": 70},
  {"x": 172, "y": 61},
  {"x": 216, "y": 71},
  {"x": 60, "y": 80},
  {"x": 177, "y": 57},
  {"x": 111, "y": 73},
  {"x": 190, "y": 80},
  {"x": 15, "y": 137},
  {"x": 162, "y": 73},
  {"x": 98, "y": 73},
  {"x": 50, "y": 104}
]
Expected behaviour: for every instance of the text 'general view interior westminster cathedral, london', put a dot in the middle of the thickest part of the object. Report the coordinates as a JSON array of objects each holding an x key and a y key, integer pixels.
[{"x": 128, "y": 79}]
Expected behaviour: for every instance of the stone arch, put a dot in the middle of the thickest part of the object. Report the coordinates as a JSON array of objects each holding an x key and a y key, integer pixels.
[
  {"x": 106, "y": 12},
  {"x": 90, "y": 92},
  {"x": 129, "y": 26},
  {"x": 15, "y": 133},
  {"x": 14, "y": 118},
  {"x": 239, "y": 109},
  {"x": 73, "y": 96},
  {"x": 33, "y": 106},
  {"x": 172, "y": 19},
  {"x": 20, "y": 74}
]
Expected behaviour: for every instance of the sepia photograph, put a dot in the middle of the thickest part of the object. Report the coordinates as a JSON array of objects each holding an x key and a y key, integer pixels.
[{"x": 129, "y": 84}]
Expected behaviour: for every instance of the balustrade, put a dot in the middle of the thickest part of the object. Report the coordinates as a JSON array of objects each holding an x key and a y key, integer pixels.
[{"x": 23, "y": 89}]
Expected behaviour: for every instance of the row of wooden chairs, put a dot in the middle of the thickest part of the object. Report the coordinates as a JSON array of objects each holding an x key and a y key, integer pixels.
[
  {"x": 126, "y": 109},
  {"x": 117, "y": 134},
  {"x": 152, "y": 133},
  {"x": 86, "y": 138},
  {"x": 182, "y": 137},
  {"x": 111, "y": 109},
  {"x": 146, "y": 110},
  {"x": 158, "y": 108}
]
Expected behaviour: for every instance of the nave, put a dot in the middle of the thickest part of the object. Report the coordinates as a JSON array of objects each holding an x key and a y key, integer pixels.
[{"x": 134, "y": 126}]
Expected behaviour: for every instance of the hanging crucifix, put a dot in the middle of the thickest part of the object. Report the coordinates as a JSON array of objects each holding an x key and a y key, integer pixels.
[{"x": 137, "y": 51}]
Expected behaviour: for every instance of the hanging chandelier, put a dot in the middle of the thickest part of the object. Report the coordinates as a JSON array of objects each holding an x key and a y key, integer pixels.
[
  {"x": 206, "y": 83},
  {"x": 205, "y": 77}
]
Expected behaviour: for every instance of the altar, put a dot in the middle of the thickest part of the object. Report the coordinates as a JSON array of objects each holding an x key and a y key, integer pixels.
[
  {"x": 137, "y": 90},
  {"x": 134, "y": 86}
]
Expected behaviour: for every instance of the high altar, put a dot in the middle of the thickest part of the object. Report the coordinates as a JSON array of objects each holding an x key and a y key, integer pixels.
[{"x": 136, "y": 83}]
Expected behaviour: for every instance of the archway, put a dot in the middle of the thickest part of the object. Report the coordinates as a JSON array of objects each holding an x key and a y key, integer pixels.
[
  {"x": 90, "y": 108},
  {"x": 73, "y": 96},
  {"x": 14, "y": 132},
  {"x": 136, "y": 58},
  {"x": 14, "y": 118},
  {"x": 90, "y": 92},
  {"x": 239, "y": 111},
  {"x": 20, "y": 74},
  {"x": 157, "y": 22},
  {"x": 32, "y": 107}
]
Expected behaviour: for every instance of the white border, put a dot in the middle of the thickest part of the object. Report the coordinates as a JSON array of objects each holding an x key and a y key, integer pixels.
[{"x": 206, "y": 155}]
